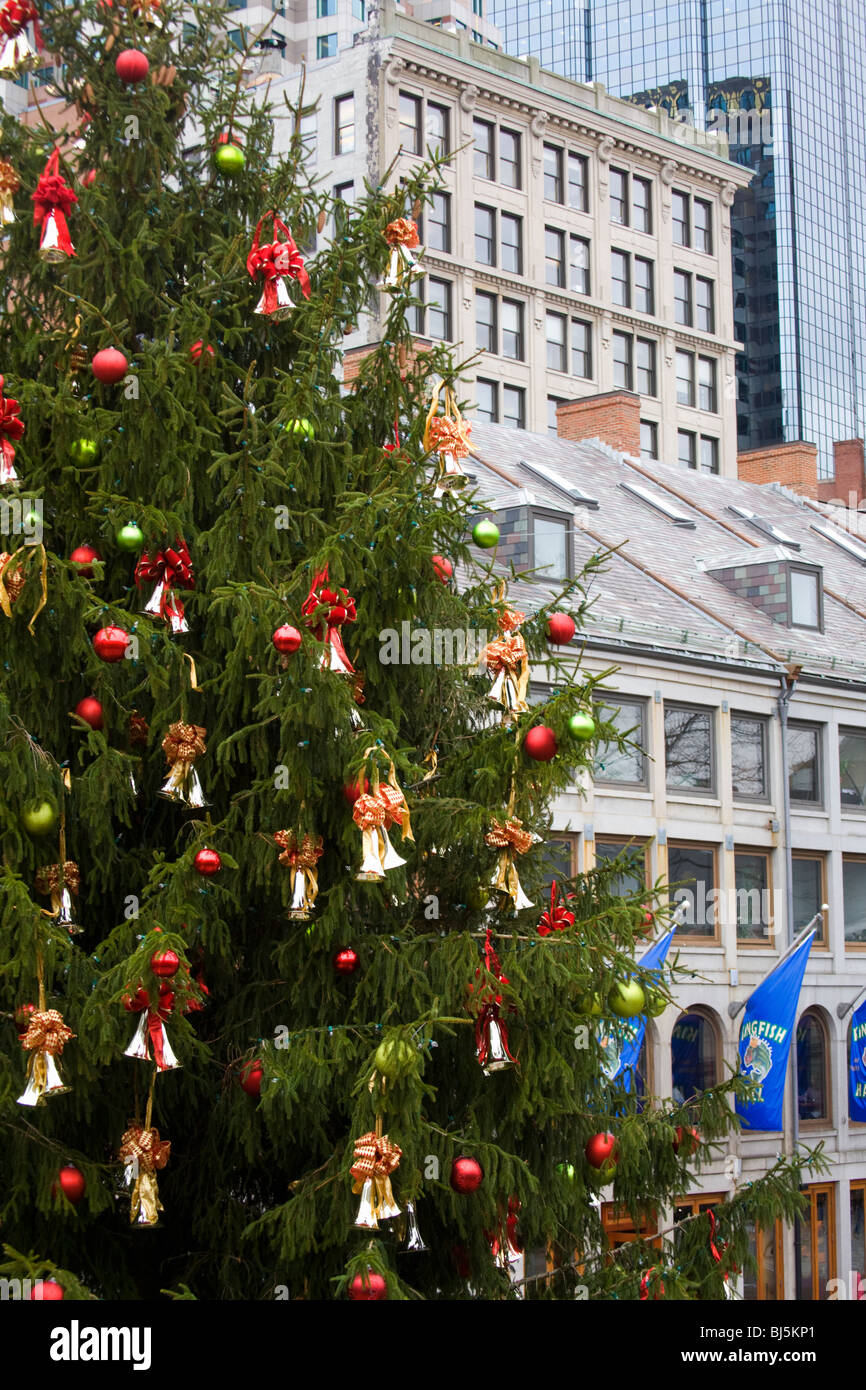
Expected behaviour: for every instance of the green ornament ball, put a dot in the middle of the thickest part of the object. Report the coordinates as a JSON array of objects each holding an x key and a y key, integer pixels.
[
  {"x": 601, "y": 1177},
  {"x": 395, "y": 1057},
  {"x": 478, "y": 898},
  {"x": 655, "y": 1004},
  {"x": 589, "y": 1004},
  {"x": 130, "y": 537},
  {"x": 302, "y": 427},
  {"x": 230, "y": 159},
  {"x": 566, "y": 1170},
  {"x": 581, "y": 725},
  {"x": 626, "y": 999},
  {"x": 84, "y": 450},
  {"x": 485, "y": 534},
  {"x": 39, "y": 817}
]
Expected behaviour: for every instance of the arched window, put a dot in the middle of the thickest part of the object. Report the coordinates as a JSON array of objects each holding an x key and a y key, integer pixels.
[
  {"x": 813, "y": 1092},
  {"x": 694, "y": 1055}
]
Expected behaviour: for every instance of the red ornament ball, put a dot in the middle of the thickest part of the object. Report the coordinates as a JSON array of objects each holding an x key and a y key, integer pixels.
[
  {"x": 131, "y": 66},
  {"x": 110, "y": 643},
  {"x": 346, "y": 961},
  {"x": 73, "y": 1183},
  {"x": 467, "y": 1175},
  {"x": 47, "y": 1291},
  {"x": 83, "y": 556},
  {"x": 601, "y": 1150},
  {"x": 686, "y": 1139},
  {"x": 109, "y": 365},
  {"x": 560, "y": 628},
  {"x": 164, "y": 964},
  {"x": 352, "y": 792},
  {"x": 207, "y": 862},
  {"x": 368, "y": 1288},
  {"x": 540, "y": 744},
  {"x": 89, "y": 178},
  {"x": 286, "y": 639},
  {"x": 444, "y": 568},
  {"x": 22, "y": 1016},
  {"x": 198, "y": 348},
  {"x": 251, "y": 1079},
  {"x": 90, "y": 710}
]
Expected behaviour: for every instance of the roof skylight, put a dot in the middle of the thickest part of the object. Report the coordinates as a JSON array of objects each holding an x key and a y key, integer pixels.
[
  {"x": 843, "y": 541},
  {"x": 547, "y": 475},
  {"x": 660, "y": 504},
  {"x": 766, "y": 528}
]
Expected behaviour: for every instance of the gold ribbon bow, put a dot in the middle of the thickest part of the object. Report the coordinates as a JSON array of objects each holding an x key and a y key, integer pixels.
[
  {"x": 52, "y": 877},
  {"x": 376, "y": 1158},
  {"x": 46, "y": 1032},
  {"x": 510, "y": 838},
  {"x": 402, "y": 237},
  {"x": 182, "y": 745},
  {"x": 507, "y": 660},
  {"x": 142, "y": 1147},
  {"x": 46, "y": 1037},
  {"x": 12, "y": 581},
  {"x": 302, "y": 858},
  {"x": 448, "y": 436},
  {"x": 402, "y": 232},
  {"x": 9, "y": 186}
]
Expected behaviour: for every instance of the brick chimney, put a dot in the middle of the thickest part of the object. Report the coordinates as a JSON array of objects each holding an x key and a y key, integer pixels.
[
  {"x": 795, "y": 465},
  {"x": 613, "y": 417},
  {"x": 848, "y": 486},
  {"x": 355, "y": 357}
]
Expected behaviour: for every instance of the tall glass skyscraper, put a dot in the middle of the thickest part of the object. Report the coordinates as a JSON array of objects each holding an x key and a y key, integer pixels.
[{"x": 786, "y": 80}]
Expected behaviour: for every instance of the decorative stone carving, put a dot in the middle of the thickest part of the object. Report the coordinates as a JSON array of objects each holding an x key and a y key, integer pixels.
[
  {"x": 468, "y": 97},
  {"x": 394, "y": 69},
  {"x": 538, "y": 124},
  {"x": 606, "y": 148},
  {"x": 727, "y": 194},
  {"x": 668, "y": 171}
]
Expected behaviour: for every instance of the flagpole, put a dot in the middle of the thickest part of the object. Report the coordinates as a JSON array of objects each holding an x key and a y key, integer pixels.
[
  {"x": 843, "y": 1009},
  {"x": 737, "y": 1005}
]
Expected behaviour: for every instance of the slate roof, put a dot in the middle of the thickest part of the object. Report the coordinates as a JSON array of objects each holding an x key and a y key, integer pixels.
[{"x": 657, "y": 590}]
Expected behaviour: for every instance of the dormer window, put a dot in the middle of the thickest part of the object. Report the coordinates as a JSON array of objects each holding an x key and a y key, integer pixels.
[
  {"x": 535, "y": 539},
  {"x": 804, "y": 598},
  {"x": 551, "y": 551},
  {"x": 788, "y": 590}
]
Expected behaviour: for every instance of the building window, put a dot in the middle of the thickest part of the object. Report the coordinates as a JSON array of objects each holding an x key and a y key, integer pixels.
[
  {"x": 439, "y": 308},
  {"x": 813, "y": 1099},
  {"x": 817, "y": 1243},
  {"x": 705, "y": 316},
  {"x": 680, "y": 218},
  {"x": 514, "y": 407},
  {"x": 553, "y": 404},
  {"x": 626, "y": 766},
  {"x": 344, "y": 125},
  {"x": 556, "y": 347},
  {"x": 622, "y": 366},
  {"x": 649, "y": 439},
  {"x": 309, "y": 132},
  {"x": 683, "y": 298},
  {"x": 486, "y": 337},
  {"x": 804, "y": 598},
  {"x": 692, "y": 879},
  {"x": 686, "y": 449},
  {"x": 809, "y": 891},
  {"x": 633, "y": 879},
  {"x": 345, "y": 192},
  {"x": 763, "y": 1281},
  {"x": 804, "y": 764},
  {"x": 485, "y": 159},
  {"x": 512, "y": 329},
  {"x": 752, "y": 882},
  {"x": 325, "y": 8},
  {"x": 509, "y": 159},
  {"x": 709, "y": 454},
  {"x": 619, "y": 279},
  {"x": 619, "y": 197},
  {"x": 644, "y": 287},
  {"x": 694, "y": 1056},
  {"x": 690, "y": 763},
  {"x": 854, "y": 891},
  {"x": 410, "y": 123},
  {"x": 437, "y": 129},
  {"x": 578, "y": 182},
  {"x": 641, "y": 204},
  {"x": 326, "y": 46},
  {"x": 439, "y": 223},
  {"x": 559, "y": 856},
  {"x": 645, "y": 367},
  {"x": 707, "y": 394},
  {"x": 551, "y": 550},
  {"x": 553, "y": 173},
  {"x": 703, "y": 226},
  {"x": 487, "y": 397},
  {"x": 749, "y": 757},
  {"x": 554, "y": 257},
  {"x": 511, "y": 243},
  {"x": 581, "y": 349},
  {"x": 485, "y": 235},
  {"x": 852, "y": 769},
  {"x": 579, "y": 265},
  {"x": 358, "y": 8},
  {"x": 685, "y": 362}
]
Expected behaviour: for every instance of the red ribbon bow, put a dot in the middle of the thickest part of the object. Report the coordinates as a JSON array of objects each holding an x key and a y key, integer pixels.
[
  {"x": 341, "y": 609},
  {"x": 556, "y": 917},
  {"x": 53, "y": 194},
  {"x": 157, "y": 1015},
  {"x": 275, "y": 259},
  {"x": 173, "y": 569},
  {"x": 11, "y": 427},
  {"x": 15, "y": 15}
]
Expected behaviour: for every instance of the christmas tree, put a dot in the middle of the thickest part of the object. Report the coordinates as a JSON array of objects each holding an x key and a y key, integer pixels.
[{"x": 277, "y": 936}]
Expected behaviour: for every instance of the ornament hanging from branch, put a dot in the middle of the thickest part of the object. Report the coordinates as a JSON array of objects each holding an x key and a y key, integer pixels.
[
  {"x": 143, "y": 1154},
  {"x": 45, "y": 1039},
  {"x": 375, "y": 813},
  {"x": 510, "y": 839},
  {"x": 9, "y": 186},
  {"x": 168, "y": 569},
  {"x": 491, "y": 1034},
  {"x": 376, "y": 1158},
  {"x": 325, "y": 610},
  {"x": 507, "y": 660},
  {"x": 52, "y": 203},
  {"x": 402, "y": 237},
  {"x": 301, "y": 856},
  {"x": 182, "y": 745},
  {"x": 447, "y": 435},
  {"x": 150, "y": 1041},
  {"x": 557, "y": 917},
  {"x": 277, "y": 262},
  {"x": 12, "y": 581},
  {"x": 17, "y": 54},
  {"x": 11, "y": 427},
  {"x": 59, "y": 882}
]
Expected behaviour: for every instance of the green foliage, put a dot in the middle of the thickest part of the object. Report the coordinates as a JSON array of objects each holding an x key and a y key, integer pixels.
[{"x": 257, "y": 1195}]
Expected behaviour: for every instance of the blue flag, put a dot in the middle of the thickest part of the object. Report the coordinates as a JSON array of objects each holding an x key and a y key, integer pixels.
[
  {"x": 857, "y": 1067},
  {"x": 623, "y": 1048},
  {"x": 765, "y": 1039}
]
